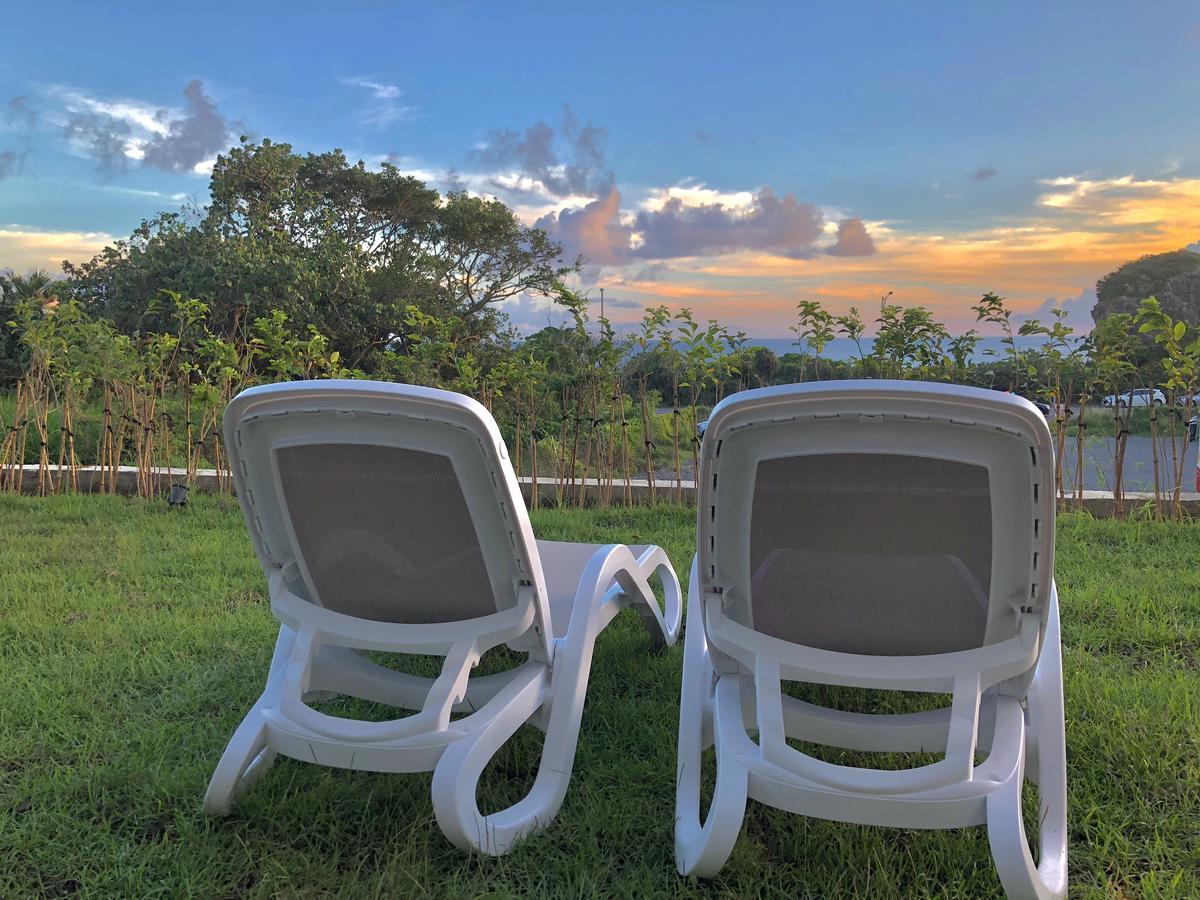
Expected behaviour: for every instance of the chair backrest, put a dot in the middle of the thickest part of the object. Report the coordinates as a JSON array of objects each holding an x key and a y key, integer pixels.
[
  {"x": 875, "y": 517},
  {"x": 386, "y": 502}
]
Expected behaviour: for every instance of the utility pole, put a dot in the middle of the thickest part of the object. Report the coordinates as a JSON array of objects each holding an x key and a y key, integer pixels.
[{"x": 602, "y": 303}]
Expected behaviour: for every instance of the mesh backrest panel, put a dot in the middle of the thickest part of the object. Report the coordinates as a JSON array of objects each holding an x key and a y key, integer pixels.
[
  {"x": 871, "y": 553},
  {"x": 385, "y": 533}
]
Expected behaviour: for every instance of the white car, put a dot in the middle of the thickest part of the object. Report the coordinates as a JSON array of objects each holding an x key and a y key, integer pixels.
[{"x": 1136, "y": 398}]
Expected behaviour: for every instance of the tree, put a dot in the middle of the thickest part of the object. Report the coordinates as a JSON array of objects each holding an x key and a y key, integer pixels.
[
  {"x": 330, "y": 244},
  {"x": 909, "y": 340},
  {"x": 124, "y": 281},
  {"x": 814, "y": 329},
  {"x": 482, "y": 255},
  {"x": 1060, "y": 354},
  {"x": 14, "y": 291},
  {"x": 991, "y": 308},
  {"x": 1174, "y": 278},
  {"x": 1110, "y": 347},
  {"x": 1182, "y": 379},
  {"x": 851, "y": 325},
  {"x": 764, "y": 363}
]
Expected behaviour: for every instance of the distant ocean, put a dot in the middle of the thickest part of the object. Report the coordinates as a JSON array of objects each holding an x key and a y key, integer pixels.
[
  {"x": 988, "y": 348},
  {"x": 842, "y": 349}
]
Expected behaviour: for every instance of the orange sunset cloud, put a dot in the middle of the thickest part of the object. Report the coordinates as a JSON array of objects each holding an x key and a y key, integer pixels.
[{"x": 1077, "y": 230}]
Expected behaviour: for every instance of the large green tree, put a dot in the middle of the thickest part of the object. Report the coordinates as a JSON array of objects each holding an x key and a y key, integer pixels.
[
  {"x": 1174, "y": 278},
  {"x": 16, "y": 289},
  {"x": 330, "y": 243}
]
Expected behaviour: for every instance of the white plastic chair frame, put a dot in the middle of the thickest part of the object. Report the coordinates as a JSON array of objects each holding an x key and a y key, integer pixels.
[
  {"x": 1007, "y": 700},
  {"x": 318, "y": 651}
]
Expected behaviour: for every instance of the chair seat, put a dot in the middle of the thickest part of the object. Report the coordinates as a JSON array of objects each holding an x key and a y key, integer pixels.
[{"x": 563, "y": 563}]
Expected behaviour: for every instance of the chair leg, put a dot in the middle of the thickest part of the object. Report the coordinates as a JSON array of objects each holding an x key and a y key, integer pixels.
[
  {"x": 244, "y": 761},
  {"x": 456, "y": 777},
  {"x": 663, "y": 625},
  {"x": 1006, "y": 830},
  {"x": 701, "y": 848},
  {"x": 247, "y": 757},
  {"x": 1019, "y": 875}
]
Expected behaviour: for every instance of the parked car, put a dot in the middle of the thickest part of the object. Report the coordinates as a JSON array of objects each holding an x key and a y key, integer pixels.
[
  {"x": 1136, "y": 398},
  {"x": 1047, "y": 410}
]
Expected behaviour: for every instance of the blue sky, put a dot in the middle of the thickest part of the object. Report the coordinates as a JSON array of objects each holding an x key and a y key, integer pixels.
[{"x": 701, "y": 154}]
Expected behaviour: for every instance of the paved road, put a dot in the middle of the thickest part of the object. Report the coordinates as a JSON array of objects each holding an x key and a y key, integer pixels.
[{"x": 1139, "y": 464}]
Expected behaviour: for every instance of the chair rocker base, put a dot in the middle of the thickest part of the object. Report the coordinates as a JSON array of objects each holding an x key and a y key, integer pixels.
[
  {"x": 548, "y": 696},
  {"x": 719, "y": 710}
]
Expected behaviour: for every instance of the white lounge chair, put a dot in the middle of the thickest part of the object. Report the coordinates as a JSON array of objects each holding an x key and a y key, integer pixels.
[
  {"x": 886, "y": 535},
  {"x": 387, "y": 518}
]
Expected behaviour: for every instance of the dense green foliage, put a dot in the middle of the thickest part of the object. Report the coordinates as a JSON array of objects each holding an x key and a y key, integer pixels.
[
  {"x": 1174, "y": 278},
  {"x": 15, "y": 291},
  {"x": 135, "y": 637},
  {"x": 332, "y": 245},
  {"x": 575, "y": 402}
]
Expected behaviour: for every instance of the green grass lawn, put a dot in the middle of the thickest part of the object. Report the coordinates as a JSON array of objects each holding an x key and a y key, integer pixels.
[
  {"x": 134, "y": 637},
  {"x": 1099, "y": 421}
]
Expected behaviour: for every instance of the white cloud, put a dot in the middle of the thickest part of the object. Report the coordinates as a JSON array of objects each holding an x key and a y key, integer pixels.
[
  {"x": 563, "y": 161},
  {"x": 528, "y": 197},
  {"x": 118, "y": 132},
  {"x": 386, "y": 108},
  {"x": 1073, "y": 190},
  {"x": 177, "y": 197},
  {"x": 378, "y": 90},
  {"x": 144, "y": 116},
  {"x": 697, "y": 194}
]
